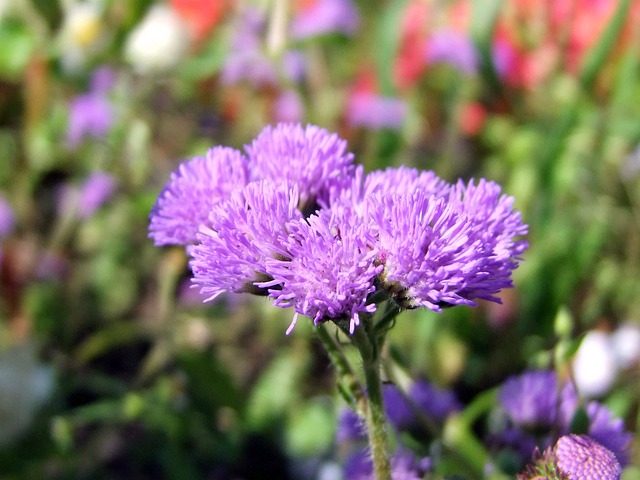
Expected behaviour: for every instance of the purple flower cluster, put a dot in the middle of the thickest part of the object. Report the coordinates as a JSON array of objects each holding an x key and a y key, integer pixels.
[
  {"x": 296, "y": 220},
  {"x": 538, "y": 405}
]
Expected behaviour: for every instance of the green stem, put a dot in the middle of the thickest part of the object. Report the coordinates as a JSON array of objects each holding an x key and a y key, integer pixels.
[
  {"x": 375, "y": 416},
  {"x": 348, "y": 384}
]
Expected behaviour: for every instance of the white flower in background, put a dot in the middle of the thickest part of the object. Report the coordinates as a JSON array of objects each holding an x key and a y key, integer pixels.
[
  {"x": 626, "y": 345},
  {"x": 24, "y": 386},
  {"x": 595, "y": 367},
  {"x": 83, "y": 33},
  {"x": 158, "y": 42}
]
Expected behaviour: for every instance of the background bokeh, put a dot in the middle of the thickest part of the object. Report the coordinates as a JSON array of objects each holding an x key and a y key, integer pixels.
[{"x": 112, "y": 367}]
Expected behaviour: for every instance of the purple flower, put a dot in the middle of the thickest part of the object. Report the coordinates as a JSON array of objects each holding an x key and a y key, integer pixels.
[
  {"x": 103, "y": 80},
  {"x": 436, "y": 403},
  {"x": 402, "y": 180},
  {"x": 531, "y": 399},
  {"x": 84, "y": 200},
  {"x": 192, "y": 191},
  {"x": 241, "y": 234},
  {"x": 94, "y": 192},
  {"x": 248, "y": 65},
  {"x": 580, "y": 457},
  {"x": 331, "y": 271},
  {"x": 91, "y": 114},
  {"x": 294, "y": 65},
  {"x": 288, "y": 107},
  {"x": 609, "y": 431},
  {"x": 7, "y": 218},
  {"x": 435, "y": 253},
  {"x": 398, "y": 408},
  {"x": 325, "y": 16},
  {"x": 368, "y": 110},
  {"x": 422, "y": 399},
  {"x": 316, "y": 160},
  {"x": 350, "y": 427},
  {"x": 404, "y": 466},
  {"x": 453, "y": 48}
]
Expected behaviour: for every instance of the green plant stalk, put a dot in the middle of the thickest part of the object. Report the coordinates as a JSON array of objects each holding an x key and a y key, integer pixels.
[
  {"x": 375, "y": 415},
  {"x": 348, "y": 384}
]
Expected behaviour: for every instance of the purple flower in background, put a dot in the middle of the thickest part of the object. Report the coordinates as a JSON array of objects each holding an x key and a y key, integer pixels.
[
  {"x": 84, "y": 200},
  {"x": 241, "y": 234},
  {"x": 350, "y": 427},
  {"x": 91, "y": 114},
  {"x": 324, "y": 17},
  {"x": 94, "y": 192},
  {"x": 531, "y": 399},
  {"x": 316, "y": 160},
  {"x": 103, "y": 80},
  {"x": 288, "y": 107},
  {"x": 197, "y": 185},
  {"x": 331, "y": 271},
  {"x": 247, "y": 62},
  {"x": 609, "y": 431},
  {"x": 453, "y": 48},
  {"x": 421, "y": 399},
  {"x": 368, "y": 110},
  {"x": 7, "y": 218},
  {"x": 580, "y": 457},
  {"x": 404, "y": 466},
  {"x": 294, "y": 65},
  {"x": 399, "y": 410},
  {"x": 248, "y": 65},
  {"x": 436, "y": 403}
]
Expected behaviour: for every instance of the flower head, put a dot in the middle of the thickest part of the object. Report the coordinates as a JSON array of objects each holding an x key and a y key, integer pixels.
[
  {"x": 403, "y": 180},
  {"x": 197, "y": 185},
  {"x": 580, "y": 457},
  {"x": 241, "y": 234},
  {"x": 434, "y": 254},
  {"x": 313, "y": 158},
  {"x": 332, "y": 269}
]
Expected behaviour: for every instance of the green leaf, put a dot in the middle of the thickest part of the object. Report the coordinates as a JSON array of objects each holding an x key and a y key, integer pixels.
[
  {"x": 311, "y": 429},
  {"x": 387, "y": 46},
  {"x": 276, "y": 391},
  {"x": 17, "y": 43},
  {"x": 600, "y": 51}
]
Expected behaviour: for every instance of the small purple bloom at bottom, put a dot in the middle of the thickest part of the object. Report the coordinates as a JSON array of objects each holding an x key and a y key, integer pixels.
[{"x": 580, "y": 457}]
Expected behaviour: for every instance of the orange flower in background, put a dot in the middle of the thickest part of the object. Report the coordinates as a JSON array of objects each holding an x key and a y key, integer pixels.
[{"x": 201, "y": 15}]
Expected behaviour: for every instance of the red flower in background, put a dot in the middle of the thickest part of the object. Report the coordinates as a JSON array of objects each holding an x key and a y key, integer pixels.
[{"x": 201, "y": 15}]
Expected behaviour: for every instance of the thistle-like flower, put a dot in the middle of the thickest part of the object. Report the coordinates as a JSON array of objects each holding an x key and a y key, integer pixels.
[
  {"x": 241, "y": 235},
  {"x": 313, "y": 158},
  {"x": 186, "y": 200}
]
